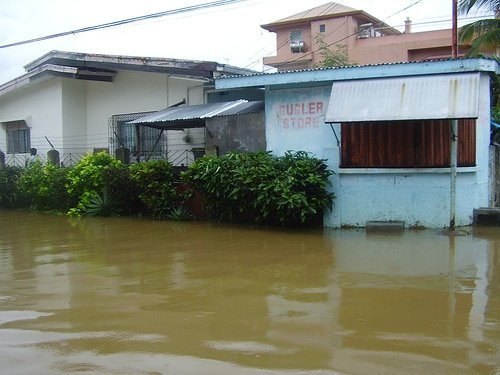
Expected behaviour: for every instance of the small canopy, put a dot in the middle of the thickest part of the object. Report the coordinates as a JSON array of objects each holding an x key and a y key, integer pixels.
[
  {"x": 446, "y": 96},
  {"x": 194, "y": 116}
]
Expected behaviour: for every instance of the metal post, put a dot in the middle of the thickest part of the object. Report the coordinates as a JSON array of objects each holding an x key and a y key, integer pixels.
[
  {"x": 453, "y": 172},
  {"x": 454, "y": 30}
]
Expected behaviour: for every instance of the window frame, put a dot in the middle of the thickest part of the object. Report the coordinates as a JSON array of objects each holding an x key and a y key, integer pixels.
[{"x": 18, "y": 137}]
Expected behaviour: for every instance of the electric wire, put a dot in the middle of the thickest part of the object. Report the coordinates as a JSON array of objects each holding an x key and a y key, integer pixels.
[{"x": 186, "y": 9}]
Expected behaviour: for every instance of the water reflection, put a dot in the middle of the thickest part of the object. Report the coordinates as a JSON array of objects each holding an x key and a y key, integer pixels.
[{"x": 135, "y": 296}]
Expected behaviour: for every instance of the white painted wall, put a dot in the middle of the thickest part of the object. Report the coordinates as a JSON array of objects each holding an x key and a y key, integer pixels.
[
  {"x": 416, "y": 197},
  {"x": 132, "y": 92},
  {"x": 40, "y": 106},
  {"x": 74, "y": 114}
]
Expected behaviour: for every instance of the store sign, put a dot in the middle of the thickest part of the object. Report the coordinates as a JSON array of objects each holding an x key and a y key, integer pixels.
[{"x": 301, "y": 115}]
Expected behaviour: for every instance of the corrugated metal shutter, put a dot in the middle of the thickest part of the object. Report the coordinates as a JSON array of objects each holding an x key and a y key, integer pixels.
[
  {"x": 406, "y": 144},
  {"x": 449, "y": 96}
]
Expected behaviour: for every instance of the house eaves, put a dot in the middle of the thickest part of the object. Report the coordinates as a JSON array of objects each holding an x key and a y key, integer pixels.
[
  {"x": 49, "y": 70},
  {"x": 109, "y": 63},
  {"x": 311, "y": 77}
]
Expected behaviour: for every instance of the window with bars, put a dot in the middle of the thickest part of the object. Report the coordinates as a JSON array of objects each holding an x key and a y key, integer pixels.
[
  {"x": 138, "y": 139},
  {"x": 406, "y": 144}
]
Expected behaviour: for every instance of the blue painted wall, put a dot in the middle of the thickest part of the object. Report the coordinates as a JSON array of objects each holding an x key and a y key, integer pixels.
[{"x": 295, "y": 120}]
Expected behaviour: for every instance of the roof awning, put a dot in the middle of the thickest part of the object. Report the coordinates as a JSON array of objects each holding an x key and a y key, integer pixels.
[
  {"x": 194, "y": 116},
  {"x": 450, "y": 96}
]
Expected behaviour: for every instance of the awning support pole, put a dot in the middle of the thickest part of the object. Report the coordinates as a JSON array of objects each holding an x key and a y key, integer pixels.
[{"x": 453, "y": 172}]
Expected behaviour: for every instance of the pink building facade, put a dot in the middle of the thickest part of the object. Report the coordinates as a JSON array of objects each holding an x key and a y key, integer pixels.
[{"x": 364, "y": 38}]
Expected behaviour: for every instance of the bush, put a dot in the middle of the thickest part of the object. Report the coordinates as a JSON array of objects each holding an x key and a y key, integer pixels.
[
  {"x": 44, "y": 187},
  {"x": 262, "y": 188},
  {"x": 121, "y": 189},
  {"x": 10, "y": 196},
  {"x": 86, "y": 180},
  {"x": 155, "y": 183}
]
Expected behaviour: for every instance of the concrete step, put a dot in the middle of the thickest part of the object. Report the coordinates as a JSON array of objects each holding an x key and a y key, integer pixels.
[
  {"x": 385, "y": 226},
  {"x": 487, "y": 216}
]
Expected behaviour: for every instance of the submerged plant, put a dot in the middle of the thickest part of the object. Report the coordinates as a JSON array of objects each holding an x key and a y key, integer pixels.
[
  {"x": 180, "y": 213},
  {"x": 102, "y": 205}
]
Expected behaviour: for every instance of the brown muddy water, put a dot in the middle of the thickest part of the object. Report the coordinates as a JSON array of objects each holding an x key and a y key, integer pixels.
[{"x": 132, "y": 296}]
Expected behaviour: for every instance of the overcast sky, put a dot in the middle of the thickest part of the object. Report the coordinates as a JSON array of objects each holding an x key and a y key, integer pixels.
[{"x": 229, "y": 34}]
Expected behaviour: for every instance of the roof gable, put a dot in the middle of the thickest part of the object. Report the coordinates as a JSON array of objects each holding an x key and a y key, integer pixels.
[
  {"x": 322, "y": 11},
  {"x": 327, "y": 11}
]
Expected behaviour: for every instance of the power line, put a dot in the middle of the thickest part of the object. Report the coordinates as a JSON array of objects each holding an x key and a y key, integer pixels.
[{"x": 191, "y": 8}]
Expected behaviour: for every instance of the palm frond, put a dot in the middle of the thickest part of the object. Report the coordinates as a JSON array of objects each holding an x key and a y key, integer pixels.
[
  {"x": 465, "y": 6},
  {"x": 483, "y": 35}
]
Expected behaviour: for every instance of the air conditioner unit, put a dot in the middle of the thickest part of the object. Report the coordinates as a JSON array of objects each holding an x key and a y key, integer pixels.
[
  {"x": 365, "y": 30},
  {"x": 297, "y": 47}
]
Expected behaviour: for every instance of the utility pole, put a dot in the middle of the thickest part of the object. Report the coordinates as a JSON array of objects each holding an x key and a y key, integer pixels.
[
  {"x": 454, "y": 29},
  {"x": 454, "y": 128}
]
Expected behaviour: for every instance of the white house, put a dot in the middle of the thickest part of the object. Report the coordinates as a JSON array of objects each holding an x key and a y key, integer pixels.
[
  {"x": 78, "y": 102},
  {"x": 386, "y": 131}
]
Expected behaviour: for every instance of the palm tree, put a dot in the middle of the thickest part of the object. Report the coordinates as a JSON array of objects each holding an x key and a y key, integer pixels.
[{"x": 484, "y": 35}]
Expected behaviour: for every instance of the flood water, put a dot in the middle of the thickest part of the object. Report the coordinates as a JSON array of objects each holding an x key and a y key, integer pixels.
[{"x": 133, "y": 296}]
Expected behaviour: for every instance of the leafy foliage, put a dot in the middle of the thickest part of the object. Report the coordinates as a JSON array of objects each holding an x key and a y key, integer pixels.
[
  {"x": 180, "y": 213},
  {"x": 10, "y": 196},
  {"x": 102, "y": 205},
  {"x": 118, "y": 184},
  {"x": 484, "y": 35},
  {"x": 155, "y": 183},
  {"x": 262, "y": 188},
  {"x": 86, "y": 179},
  {"x": 338, "y": 56},
  {"x": 44, "y": 187}
]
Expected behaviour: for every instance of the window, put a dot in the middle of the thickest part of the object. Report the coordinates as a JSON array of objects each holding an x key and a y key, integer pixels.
[
  {"x": 322, "y": 28},
  {"x": 406, "y": 144},
  {"x": 127, "y": 135},
  {"x": 18, "y": 137},
  {"x": 296, "y": 36}
]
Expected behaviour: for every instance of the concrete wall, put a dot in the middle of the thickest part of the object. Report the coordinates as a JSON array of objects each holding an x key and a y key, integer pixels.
[
  {"x": 74, "y": 114},
  {"x": 418, "y": 197},
  {"x": 134, "y": 92},
  {"x": 73, "y": 137},
  {"x": 40, "y": 106},
  {"x": 373, "y": 50},
  {"x": 237, "y": 133}
]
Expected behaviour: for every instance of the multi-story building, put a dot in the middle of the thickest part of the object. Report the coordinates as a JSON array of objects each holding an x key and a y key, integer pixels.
[{"x": 363, "y": 38}]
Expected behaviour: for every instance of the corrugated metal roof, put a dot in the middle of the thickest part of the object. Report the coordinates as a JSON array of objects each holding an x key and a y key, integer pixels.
[
  {"x": 201, "y": 111},
  {"x": 462, "y": 60},
  {"x": 327, "y": 75},
  {"x": 449, "y": 96}
]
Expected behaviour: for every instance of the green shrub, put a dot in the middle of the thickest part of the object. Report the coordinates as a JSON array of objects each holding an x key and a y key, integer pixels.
[
  {"x": 120, "y": 187},
  {"x": 86, "y": 180},
  {"x": 44, "y": 187},
  {"x": 10, "y": 196},
  {"x": 262, "y": 188},
  {"x": 155, "y": 182}
]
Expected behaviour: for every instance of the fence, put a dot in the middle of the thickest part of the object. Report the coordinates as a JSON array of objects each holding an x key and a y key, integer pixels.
[{"x": 178, "y": 157}]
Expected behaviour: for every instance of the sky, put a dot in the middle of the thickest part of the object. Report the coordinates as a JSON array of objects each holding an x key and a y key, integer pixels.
[{"x": 229, "y": 34}]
